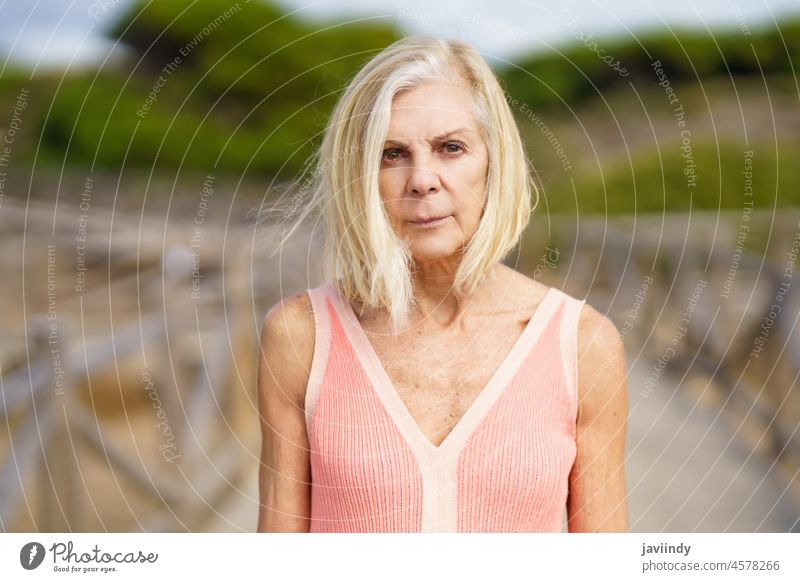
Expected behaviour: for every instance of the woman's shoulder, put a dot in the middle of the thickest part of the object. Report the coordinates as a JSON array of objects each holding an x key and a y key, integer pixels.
[
  {"x": 601, "y": 358},
  {"x": 601, "y": 366},
  {"x": 287, "y": 337},
  {"x": 290, "y": 315},
  {"x": 594, "y": 328},
  {"x": 530, "y": 287},
  {"x": 522, "y": 285}
]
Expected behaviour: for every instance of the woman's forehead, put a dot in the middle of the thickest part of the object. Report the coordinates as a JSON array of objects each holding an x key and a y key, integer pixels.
[
  {"x": 447, "y": 134},
  {"x": 435, "y": 120}
]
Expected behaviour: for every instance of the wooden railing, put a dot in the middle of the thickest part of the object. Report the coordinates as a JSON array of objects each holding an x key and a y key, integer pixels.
[
  {"x": 86, "y": 454},
  {"x": 200, "y": 354}
]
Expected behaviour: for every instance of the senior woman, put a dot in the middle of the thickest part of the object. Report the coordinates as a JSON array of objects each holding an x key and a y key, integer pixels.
[{"x": 426, "y": 386}]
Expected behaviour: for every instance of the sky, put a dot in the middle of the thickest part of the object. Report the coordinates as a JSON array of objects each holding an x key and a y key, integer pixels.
[{"x": 59, "y": 33}]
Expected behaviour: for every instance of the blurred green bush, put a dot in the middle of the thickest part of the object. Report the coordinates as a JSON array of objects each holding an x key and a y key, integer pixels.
[
  {"x": 239, "y": 88},
  {"x": 214, "y": 85}
]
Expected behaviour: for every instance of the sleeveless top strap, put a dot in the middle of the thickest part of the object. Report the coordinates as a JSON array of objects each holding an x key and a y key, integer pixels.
[
  {"x": 509, "y": 473},
  {"x": 569, "y": 344},
  {"x": 322, "y": 340}
]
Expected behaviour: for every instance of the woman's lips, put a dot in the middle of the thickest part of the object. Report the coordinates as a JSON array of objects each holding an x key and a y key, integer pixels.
[
  {"x": 427, "y": 221},
  {"x": 430, "y": 222}
]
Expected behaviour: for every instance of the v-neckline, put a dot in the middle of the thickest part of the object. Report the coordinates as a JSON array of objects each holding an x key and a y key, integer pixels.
[{"x": 479, "y": 407}]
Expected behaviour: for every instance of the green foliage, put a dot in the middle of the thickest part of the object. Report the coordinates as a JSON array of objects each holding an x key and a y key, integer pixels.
[
  {"x": 578, "y": 72},
  {"x": 657, "y": 183},
  {"x": 231, "y": 86},
  {"x": 252, "y": 88}
]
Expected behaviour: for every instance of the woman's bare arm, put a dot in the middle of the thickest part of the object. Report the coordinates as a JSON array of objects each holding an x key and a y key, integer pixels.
[
  {"x": 287, "y": 347},
  {"x": 597, "y": 495}
]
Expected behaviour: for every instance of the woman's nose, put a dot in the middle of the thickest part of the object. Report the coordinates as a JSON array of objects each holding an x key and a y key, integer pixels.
[{"x": 423, "y": 178}]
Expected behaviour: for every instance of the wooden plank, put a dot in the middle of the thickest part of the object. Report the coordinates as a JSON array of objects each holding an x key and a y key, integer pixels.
[
  {"x": 161, "y": 488},
  {"x": 205, "y": 403},
  {"x": 23, "y": 386},
  {"x": 27, "y": 449}
]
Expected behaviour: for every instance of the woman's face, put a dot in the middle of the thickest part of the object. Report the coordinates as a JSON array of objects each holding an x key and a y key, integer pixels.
[{"x": 433, "y": 169}]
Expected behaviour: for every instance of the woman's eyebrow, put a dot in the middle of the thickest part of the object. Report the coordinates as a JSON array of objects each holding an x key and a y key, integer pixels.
[{"x": 437, "y": 138}]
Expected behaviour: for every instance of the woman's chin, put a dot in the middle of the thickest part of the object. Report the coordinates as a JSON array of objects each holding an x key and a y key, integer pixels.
[{"x": 432, "y": 250}]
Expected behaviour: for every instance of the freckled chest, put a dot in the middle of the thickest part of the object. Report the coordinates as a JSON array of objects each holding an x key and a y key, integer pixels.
[{"x": 439, "y": 374}]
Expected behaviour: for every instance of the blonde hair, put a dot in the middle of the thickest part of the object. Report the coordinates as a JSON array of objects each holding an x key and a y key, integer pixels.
[{"x": 362, "y": 253}]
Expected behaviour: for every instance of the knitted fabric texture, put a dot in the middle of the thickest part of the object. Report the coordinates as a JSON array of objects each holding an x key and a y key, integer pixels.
[{"x": 503, "y": 468}]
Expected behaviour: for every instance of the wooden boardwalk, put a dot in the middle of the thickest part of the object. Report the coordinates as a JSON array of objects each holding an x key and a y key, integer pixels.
[
  {"x": 689, "y": 467},
  {"x": 687, "y": 470},
  {"x": 711, "y": 447}
]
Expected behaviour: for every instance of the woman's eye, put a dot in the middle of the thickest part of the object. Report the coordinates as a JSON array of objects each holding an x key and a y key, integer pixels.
[
  {"x": 391, "y": 155},
  {"x": 450, "y": 147},
  {"x": 453, "y": 144}
]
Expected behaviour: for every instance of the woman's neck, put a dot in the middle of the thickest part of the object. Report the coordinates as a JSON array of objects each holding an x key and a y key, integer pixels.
[{"x": 435, "y": 299}]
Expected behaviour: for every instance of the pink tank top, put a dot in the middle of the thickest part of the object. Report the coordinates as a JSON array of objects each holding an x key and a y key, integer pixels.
[{"x": 503, "y": 468}]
